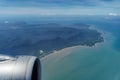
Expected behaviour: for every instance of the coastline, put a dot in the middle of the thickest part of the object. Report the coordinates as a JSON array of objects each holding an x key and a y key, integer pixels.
[
  {"x": 57, "y": 52},
  {"x": 70, "y": 49},
  {"x": 104, "y": 34}
]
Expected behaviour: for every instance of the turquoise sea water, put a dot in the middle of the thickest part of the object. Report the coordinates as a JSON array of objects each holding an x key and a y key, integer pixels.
[{"x": 88, "y": 63}]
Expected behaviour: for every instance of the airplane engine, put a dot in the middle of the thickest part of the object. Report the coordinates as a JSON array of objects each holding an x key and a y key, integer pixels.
[{"x": 20, "y": 68}]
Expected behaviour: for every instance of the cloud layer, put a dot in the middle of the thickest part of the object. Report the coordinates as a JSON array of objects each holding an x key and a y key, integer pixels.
[
  {"x": 57, "y": 11},
  {"x": 60, "y": 7},
  {"x": 54, "y": 2}
]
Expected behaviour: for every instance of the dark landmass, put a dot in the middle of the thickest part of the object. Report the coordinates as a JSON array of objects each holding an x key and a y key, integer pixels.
[{"x": 22, "y": 38}]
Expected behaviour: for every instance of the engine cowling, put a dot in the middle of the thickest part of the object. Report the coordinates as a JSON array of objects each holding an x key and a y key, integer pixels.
[{"x": 20, "y": 68}]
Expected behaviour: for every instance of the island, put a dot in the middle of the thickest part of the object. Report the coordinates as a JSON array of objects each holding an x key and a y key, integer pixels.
[{"x": 43, "y": 39}]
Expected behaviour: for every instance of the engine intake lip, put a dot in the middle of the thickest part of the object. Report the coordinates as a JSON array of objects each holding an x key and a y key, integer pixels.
[
  {"x": 36, "y": 70},
  {"x": 20, "y": 68}
]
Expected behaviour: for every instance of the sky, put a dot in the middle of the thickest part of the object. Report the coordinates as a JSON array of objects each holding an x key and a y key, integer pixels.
[{"x": 60, "y": 7}]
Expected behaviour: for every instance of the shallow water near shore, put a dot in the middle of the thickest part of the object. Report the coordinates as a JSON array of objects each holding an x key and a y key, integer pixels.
[
  {"x": 86, "y": 63},
  {"x": 83, "y": 63}
]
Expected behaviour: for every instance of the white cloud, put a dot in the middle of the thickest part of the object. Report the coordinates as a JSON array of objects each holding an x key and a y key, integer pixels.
[
  {"x": 55, "y": 11},
  {"x": 112, "y": 14}
]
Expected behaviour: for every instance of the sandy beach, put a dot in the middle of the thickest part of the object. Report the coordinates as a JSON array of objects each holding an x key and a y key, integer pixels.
[{"x": 66, "y": 51}]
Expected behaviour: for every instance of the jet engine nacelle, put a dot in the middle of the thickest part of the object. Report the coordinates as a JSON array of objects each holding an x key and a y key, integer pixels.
[{"x": 20, "y": 68}]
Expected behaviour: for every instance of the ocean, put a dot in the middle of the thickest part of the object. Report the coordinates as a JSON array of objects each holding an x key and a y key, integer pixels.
[{"x": 100, "y": 62}]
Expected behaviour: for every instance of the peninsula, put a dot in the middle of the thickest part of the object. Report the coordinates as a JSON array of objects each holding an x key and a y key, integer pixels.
[{"x": 45, "y": 38}]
